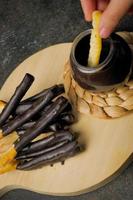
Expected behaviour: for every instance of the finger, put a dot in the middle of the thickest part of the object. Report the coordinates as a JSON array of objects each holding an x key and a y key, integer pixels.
[
  {"x": 88, "y": 7},
  {"x": 102, "y": 4},
  {"x": 112, "y": 15}
]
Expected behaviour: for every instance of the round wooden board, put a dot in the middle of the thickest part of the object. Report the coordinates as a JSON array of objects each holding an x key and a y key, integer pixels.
[{"x": 109, "y": 143}]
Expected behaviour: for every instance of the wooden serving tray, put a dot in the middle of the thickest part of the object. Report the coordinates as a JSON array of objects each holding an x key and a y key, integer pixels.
[{"x": 109, "y": 143}]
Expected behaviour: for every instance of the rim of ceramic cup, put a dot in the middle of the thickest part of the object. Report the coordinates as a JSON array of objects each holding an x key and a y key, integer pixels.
[{"x": 87, "y": 69}]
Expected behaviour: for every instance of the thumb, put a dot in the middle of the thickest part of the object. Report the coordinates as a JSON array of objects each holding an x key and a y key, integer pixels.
[{"x": 112, "y": 15}]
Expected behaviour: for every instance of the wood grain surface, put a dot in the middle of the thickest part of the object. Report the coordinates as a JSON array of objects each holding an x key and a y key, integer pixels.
[{"x": 109, "y": 143}]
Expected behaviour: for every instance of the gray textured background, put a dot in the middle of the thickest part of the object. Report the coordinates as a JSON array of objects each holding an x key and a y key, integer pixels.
[{"x": 28, "y": 26}]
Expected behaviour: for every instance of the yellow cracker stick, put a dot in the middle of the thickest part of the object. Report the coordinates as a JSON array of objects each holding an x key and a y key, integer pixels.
[
  {"x": 8, "y": 156},
  {"x": 95, "y": 41},
  {"x": 1, "y": 135},
  {"x": 2, "y": 105},
  {"x": 8, "y": 167}
]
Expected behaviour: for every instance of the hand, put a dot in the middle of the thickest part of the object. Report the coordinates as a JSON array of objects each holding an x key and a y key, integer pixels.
[{"x": 113, "y": 11}]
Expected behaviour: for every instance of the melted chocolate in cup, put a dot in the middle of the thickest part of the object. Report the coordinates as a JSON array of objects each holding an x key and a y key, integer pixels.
[{"x": 115, "y": 66}]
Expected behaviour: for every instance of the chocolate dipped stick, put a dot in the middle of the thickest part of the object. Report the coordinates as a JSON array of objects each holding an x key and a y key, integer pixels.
[
  {"x": 60, "y": 88},
  {"x": 59, "y": 154},
  {"x": 48, "y": 142},
  {"x": 16, "y": 97}
]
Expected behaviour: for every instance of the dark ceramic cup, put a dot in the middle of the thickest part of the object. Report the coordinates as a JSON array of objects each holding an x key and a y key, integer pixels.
[{"x": 115, "y": 65}]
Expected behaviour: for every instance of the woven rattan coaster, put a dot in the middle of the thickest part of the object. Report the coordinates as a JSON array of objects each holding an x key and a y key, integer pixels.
[{"x": 112, "y": 104}]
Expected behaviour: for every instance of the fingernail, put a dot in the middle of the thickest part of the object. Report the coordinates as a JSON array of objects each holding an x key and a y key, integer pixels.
[{"x": 104, "y": 32}]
